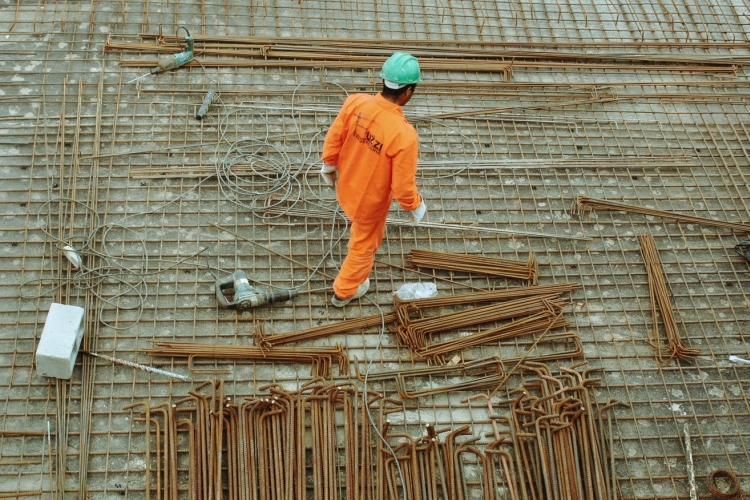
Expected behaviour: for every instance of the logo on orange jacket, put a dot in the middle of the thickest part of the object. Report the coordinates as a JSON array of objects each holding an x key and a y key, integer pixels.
[{"x": 365, "y": 136}]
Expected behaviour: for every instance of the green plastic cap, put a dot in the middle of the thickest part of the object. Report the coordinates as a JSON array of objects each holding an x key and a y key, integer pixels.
[{"x": 402, "y": 69}]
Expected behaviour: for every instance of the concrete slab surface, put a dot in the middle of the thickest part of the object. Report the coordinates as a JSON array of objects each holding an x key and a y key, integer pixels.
[{"x": 524, "y": 108}]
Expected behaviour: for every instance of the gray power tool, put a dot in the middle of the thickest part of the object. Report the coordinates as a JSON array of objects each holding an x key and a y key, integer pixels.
[
  {"x": 743, "y": 249},
  {"x": 237, "y": 293}
]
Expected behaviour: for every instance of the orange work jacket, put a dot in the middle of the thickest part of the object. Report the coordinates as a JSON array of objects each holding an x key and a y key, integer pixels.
[{"x": 375, "y": 150}]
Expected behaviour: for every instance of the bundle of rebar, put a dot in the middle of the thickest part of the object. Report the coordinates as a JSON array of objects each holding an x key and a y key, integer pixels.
[
  {"x": 532, "y": 312},
  {"x": 414, "y": 333},
  {"x": 321, "y": 358},
  {"x": 312, "y": 443},
  {"x": 320, "y": 442},
  {"x": 584, "y": 204},
  {"x": 553, "y": 444},
  {"x": 527, "y": 325},
  {"x": 488, "y": 380},
  {"x": 404, "y": 308},
  {"x": 494, "y": 365},
  {"x": 661, "y": 306},
  {"x": 505, "y": 268},
  {"x": 237, "y": 55}
]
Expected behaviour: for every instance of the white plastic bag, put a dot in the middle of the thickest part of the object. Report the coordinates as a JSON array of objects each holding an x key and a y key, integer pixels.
[{"x": 409, "y": 291}]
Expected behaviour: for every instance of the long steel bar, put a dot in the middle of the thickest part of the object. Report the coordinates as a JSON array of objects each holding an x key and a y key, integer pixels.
[
  {"x": 428, "y": 166},
  {"x": 584, "y": 204},
  {"x": 307, "y": 52},
  {"x": 396, "y": 43},
  {"x": 433, "y": 225},
  {"x": 346, "y": 326}
]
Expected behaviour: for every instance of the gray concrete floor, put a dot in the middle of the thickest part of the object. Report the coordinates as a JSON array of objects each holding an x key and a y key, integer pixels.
[{"x": 128, "y": 169}]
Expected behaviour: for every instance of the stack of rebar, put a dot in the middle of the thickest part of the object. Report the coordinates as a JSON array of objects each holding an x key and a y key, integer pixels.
[
  {"x": 662, "y": 306},
  {"x": 320, "y": 442},
  {"x": 552, "y": 445},
  {"x": 481, "y": 374},
  {"x": 532, "y": 310},
  {"x": 321, "y": 358},
  {"x": 505, "y": 268},
  {"x": 539, "y": 323},
  {"x": 415, "y": 333},
  {"x": 404, "y": 310},
  {"x": 407, "y": 308},
  {"x": 313, "y": 443}
]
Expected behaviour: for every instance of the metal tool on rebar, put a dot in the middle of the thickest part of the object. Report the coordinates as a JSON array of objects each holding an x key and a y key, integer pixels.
[
  {"x": 138, "y": 366},
  {"x": 237, "y": 293},
  {"x": 690, "y": 464},
  {"x": 72, "y": 255},
  {"x": 207, "y": 101},
  {"x": 738, "y": 359},
  {"x": 743, "y": 249},
  {"x": 173, "y": 61}
]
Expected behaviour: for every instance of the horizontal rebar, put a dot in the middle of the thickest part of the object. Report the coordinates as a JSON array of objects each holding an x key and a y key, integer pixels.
[
  {"x": 320, "y": 357},
  {"x": 584, "y": 204}
]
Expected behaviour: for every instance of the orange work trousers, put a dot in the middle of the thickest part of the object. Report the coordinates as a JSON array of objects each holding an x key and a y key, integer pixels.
[{"x": 364, "y": 240}]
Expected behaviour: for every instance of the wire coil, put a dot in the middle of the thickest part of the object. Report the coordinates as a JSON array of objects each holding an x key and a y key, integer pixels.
[{"x": 732, "y": 493}]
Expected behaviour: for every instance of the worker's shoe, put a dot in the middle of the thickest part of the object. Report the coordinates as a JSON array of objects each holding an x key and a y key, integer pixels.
[{"x": 361, "y": 290}]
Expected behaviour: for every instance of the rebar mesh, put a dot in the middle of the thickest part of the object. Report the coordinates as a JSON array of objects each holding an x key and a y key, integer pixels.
[{"x": 643, "y": 103}]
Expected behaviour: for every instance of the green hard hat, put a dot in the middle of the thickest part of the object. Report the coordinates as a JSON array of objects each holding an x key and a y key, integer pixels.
[{"x": 401, "y": 68}]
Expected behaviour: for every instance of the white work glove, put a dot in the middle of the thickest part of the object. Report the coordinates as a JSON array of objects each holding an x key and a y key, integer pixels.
[
  {"x": 329, "y": 173},
  {"x": 418, "y": 213}
]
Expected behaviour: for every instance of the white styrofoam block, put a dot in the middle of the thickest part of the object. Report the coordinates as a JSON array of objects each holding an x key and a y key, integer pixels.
[{"x": 58, "y": 348}]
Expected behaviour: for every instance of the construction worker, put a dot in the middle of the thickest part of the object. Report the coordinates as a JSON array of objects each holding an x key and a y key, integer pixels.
[{"x": 370, "y": 156}]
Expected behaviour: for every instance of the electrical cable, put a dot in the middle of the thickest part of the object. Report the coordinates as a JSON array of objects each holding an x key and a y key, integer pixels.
[
  {"x": 367, "y": 407},
  {"x": 108, "y": 269},
  {"x": 274, "y": 183},
  {"x": 458, "y": 131}
]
